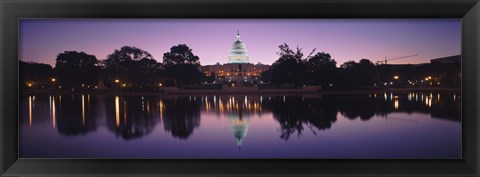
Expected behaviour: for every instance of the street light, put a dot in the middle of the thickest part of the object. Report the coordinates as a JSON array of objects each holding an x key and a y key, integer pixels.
[
  {"x": 117, "y": 81},
  {"x": 160, "y": 84},
  {"x": 395, "y": 77},
  {"x": 53, "y": 80}
]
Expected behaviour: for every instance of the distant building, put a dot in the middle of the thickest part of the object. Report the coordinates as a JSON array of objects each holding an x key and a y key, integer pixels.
[
  {"x": 238, "y": 68},
  {"x": 447, "y": 60}
]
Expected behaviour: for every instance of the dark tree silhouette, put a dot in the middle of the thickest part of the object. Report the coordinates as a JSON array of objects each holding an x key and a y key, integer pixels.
[
  {"x": 180, "y": 54},
  {"x": 132, "y": 66},
  {"x": 182, "y": 66},
  {"x": 322, "y": 69},
  {"x": 358, "y": 75},
  {"x": 35, "y": 74},
  {"x": 74, "y": 68},
  {"x": 290, "y": 69}
]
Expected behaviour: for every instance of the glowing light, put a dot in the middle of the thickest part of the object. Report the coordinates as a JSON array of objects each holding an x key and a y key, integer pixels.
[
  {"x": 396, "y": 104},
  {"x": 160, "y": 84},
  {"x": 395, "y": 77},
  {"x": 53, "y": 79},
  {"x": 117, "y": 81}
]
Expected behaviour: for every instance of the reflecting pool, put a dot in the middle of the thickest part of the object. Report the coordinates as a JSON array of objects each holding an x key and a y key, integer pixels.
[{"x": 382, "y": 125}]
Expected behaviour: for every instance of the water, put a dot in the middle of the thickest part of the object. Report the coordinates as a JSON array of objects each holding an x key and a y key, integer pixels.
[{"x": 387, "y": 125}]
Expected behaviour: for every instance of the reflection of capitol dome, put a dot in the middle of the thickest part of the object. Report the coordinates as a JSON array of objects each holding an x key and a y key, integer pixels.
[
  {"x": 238, "y": 53},
  {"x": 239, "y": 127}
]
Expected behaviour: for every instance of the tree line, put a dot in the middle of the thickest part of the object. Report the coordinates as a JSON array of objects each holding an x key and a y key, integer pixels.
[
  {"x": 127, "y": 67},
  {"x": 293, "y": 70}
]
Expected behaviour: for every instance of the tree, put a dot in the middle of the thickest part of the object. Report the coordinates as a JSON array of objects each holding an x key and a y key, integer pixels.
[
  {"x": 361, "y": 74},
  {"x": 74, "y": 68},
  {"x": 290, "y": 69},
  {"x": 182, "y": 66},
  {"x": 132, "y": 66},
  {"x": 180, "y": 54},
  {"x": 34, "y": 75},
  {"x": 322, "y": 68}
]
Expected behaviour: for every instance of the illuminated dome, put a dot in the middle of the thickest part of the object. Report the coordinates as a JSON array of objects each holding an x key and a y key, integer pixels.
[{"x": 238, "y": 53}]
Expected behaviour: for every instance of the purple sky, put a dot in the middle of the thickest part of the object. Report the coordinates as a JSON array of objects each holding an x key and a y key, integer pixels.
[{"x": 41, "y": 40}]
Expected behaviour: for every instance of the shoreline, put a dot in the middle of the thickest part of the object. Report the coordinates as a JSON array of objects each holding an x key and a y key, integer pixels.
[{"x": 240, "y": 91}]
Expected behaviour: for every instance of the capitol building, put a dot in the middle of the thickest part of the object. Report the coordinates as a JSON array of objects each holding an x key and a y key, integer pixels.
[{"x": 238, "y": 70}]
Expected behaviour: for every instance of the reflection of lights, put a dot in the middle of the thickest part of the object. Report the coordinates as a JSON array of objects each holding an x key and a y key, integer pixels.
[
  {"x": 54, "y": 118},
  {"x": 117, "y": 111},
  {"x": 161, "y": 108},
  {"x": 124, "y": 112},
  {"x": 83, "y": 110},
  {"x": 438, "y": 97},
  {"x": 30, "y": 110},
  {"x": 396, "y": 104},
  {"x": 148, "y": 106},
  {"x": 245, "y": 102},
  {"x": 220, "y": 106},
  {"x": 385, "y": 96},
  {"x": 454, "y": 97},
  {"x": 375, "y": 95}
]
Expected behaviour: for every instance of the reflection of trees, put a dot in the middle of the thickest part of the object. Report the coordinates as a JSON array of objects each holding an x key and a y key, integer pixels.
[
  {"x": 71, "y": 118},
  {"x": 182, "y": 116},
  {"x": 131, "y": 117},
  {"x": 296, "y": 112},
  {"x": 353, "y": 107},
  {"x": 366, "y": 107}
]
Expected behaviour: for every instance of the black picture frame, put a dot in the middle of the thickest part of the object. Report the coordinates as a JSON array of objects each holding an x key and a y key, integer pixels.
[{"x": 12, "y": 10}]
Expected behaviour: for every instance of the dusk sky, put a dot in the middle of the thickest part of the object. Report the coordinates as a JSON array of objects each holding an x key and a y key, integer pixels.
[{"x": 41, "y": 40}]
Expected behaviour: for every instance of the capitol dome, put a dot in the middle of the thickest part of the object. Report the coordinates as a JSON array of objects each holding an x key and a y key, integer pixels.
[{"x": 238, "y": 53}]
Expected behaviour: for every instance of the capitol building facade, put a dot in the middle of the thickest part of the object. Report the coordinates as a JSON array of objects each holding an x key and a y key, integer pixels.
[{"x": 238, "y": 69}]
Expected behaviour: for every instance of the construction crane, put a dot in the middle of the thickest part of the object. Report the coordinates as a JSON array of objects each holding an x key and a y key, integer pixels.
[{"x": 390, "y": 59}]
